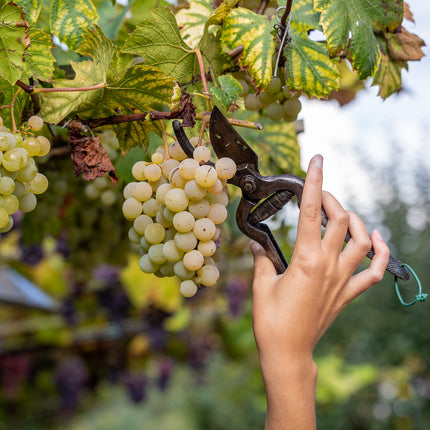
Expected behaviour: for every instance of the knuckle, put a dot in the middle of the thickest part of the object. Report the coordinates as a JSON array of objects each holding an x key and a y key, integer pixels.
[
  {"x": 312, "y": 212},
  {"x": 376, "y": 276},
  {"x": 364, "y": 244}
]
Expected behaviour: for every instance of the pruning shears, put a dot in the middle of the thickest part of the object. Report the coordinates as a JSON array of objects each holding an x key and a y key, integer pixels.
[{"x": 262, "y": 196}]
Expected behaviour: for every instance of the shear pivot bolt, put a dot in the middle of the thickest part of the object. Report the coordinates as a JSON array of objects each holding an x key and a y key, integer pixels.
[{"x": 248, "y": 184}]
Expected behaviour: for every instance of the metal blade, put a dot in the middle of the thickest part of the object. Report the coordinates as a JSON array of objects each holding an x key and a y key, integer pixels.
[{"x": 227, "y": 142}]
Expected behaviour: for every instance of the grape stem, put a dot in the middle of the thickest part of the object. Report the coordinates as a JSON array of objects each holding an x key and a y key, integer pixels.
[
  {"x": 164, "y": 136},
  {"x": 233, "y": 121},
  {"x": 30, "y": 89},
  {"x": 202, "y": 70},
  {"x": 262, "y": 7}
]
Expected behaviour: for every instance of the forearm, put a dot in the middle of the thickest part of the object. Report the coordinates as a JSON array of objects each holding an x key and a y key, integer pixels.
[{"x": 290, "y": 392}]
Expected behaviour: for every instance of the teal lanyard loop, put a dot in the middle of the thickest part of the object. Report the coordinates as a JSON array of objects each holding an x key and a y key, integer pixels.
[{"x": 420, "y": 297}]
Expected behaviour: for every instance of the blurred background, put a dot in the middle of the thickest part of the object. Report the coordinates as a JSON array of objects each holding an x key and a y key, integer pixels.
[{"x": 87, "y": 341}]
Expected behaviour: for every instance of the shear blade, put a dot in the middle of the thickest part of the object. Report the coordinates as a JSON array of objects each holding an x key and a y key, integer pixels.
[{"x": 227, "y": 142}]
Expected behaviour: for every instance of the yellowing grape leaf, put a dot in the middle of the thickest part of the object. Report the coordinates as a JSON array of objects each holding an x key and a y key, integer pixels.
[
  {"x": 254, "y": 32},
  {"x": 169, "y": 53},
  {"x": 31, "y": 8},
  {"x": 39, "y": 60},
  {"x": 70, "y": 19},
  {"x": 136, "y": 133},
  {"x": 192, "y": 21},
  {"x": 388, "y": 76},
  {"x": 309, "y": 67},
  {"x": 349, "y": 27},
  {"x": 134, "y": 90},
  {"x": 13, "y": 42}
]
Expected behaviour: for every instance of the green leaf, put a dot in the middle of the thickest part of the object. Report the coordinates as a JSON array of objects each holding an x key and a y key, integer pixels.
[
  {"x": 38, "y": 57},
  {"x": 388, "y": 76},
  {"x": 254, "y": 32},
  {"x": 229, "y": 91},
  {"x": 132, "y": 90},
  {"x": 159, "y": 42},
  {"x": 13, "y": 42},
  {"x": 7, "y": 92},
  {"x": 70, "y": 19},
  {"x": 349, "y": 27},
  {"x": 309, "y": 67},
  {"x": 111, "y": 18},
  {"x": 136, "y": 133},
  {"x": 31, "y": 8},
  {"x": 304, "y": 17}
]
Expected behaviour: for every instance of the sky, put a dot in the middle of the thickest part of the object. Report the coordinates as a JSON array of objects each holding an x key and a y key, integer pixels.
[{"x": 372, "y": 125}]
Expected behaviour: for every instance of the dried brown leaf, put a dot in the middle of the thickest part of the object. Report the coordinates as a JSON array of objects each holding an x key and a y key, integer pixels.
[
  {"x": 405, "y": 46},
  {"x": 89, "y": 157},
  {"x": 407, "y": 12}
]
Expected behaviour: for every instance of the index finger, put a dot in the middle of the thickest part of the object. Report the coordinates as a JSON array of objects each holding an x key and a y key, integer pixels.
[{"x": 309, "y": 227}]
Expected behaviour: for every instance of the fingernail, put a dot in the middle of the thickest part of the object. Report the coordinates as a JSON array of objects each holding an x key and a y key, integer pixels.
[
  {"x": 318, "y": 161},
  {"x": 377, "y": 235},
  {"x": 255, "y": 247}
]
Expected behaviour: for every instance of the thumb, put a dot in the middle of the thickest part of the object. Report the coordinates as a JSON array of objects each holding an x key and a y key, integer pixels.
[{"x": 264, "y": 270}]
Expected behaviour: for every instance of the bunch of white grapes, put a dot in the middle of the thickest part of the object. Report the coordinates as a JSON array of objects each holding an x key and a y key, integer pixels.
[
  {"x": 102, "y": 188},
  {"x": 20, "y": 180},
  {"x": 176, "y": 205}
]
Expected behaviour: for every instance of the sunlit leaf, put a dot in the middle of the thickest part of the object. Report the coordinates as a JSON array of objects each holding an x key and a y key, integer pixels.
[
  {"x": 31, "y": 8},
  {"x": 168, "y": 53},
  {"x": 70, "y": 19},
  {"x": 136, "y": 133},
  {"x": 309, "y": 67},
  {"x": 254, "y": 32},
  {"x": 132, "y": 90},
  {"x": 192, "y": 21},
  {"x": 39, "y": 60},
  {"x": 13, "y": 42}
]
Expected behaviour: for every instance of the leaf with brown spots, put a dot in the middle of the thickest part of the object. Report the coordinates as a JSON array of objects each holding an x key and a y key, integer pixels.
[{"x": 89, "y": 157}]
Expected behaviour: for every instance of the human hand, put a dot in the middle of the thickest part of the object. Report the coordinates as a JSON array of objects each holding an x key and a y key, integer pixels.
[{"x": 292, "y": 311}]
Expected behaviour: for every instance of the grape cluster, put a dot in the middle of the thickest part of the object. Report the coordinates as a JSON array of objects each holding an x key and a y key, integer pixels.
[
  {"x": 20, "y": 180},
  {"x": 176, "y": 206},
  {"x": 276, "y": 99}
]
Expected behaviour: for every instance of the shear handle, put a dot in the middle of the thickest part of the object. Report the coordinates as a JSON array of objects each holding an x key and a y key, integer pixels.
[{"x": 284, "y": 186}]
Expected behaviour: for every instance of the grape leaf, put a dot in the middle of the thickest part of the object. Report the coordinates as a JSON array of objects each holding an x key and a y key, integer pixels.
[
  {"x": 254, "y": 32},
  {"x": 405, "y": 46},
  {"x": 7, "y": 92},
  {"x": 70, "y": 19},
  {"x": 135, "y": 133},
  {"x": 192, "y": 21},
  {"x": 309, "y": 67},
  {"x": 229, "y": 91},
  {"x": 159, "y": 42},
  {"x": 31, "y": 8},
  {"x": 38, "y": 57},
  {"x": 388, "y": 76},
  {"x": 14, "y": 41},
  {"x": 132, "y": 90},
  {"x": 349, "y": 28}
]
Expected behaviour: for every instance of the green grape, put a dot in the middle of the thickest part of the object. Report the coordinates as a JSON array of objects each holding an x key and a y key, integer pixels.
[
  {"x": 292, "y": 108},
  {"x": 286, "y": 92},
  {"x": 138, "y": 170},
  {"x": 280, "y": 96},
  {"x": 15, "y": 159},
  {"x": 275, "y": 84},
  {"x": 32, "y": 146},
  {"x": 7, "y": 185},
  {"x": 245, "y": 87},
  {"x": 45, "y": 145},
  {"x": 172, "y": 252},
  {"x": 157, "y": 158},
  {"x": 156, "y": 253},
  {"x": 267, "y": 98},
  {"x": 141, "y": 222},
  {"x": 133, "y": 236},
  {"x": 275, "y": 111},
  {"x": 107, "y": 197},
  {"x": 188, "y": 288},
  {"x": 193, "y": 260},
  {"x": 28, "y": 172},
  {"x": 155, "y": 233},
  {"x": 182, "y": 272},
  {"x": 27, "y": 203},
  {"x": 4, "y": 217},
  {"x": 35, "y": 123},
  {"x": 8, "y": 226},
  {"x": 208, "y": 274},
  {"x": 252, "y": 102},
  {"x": 147, "y": 265},
  {"x": 7, "y": 141}
]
